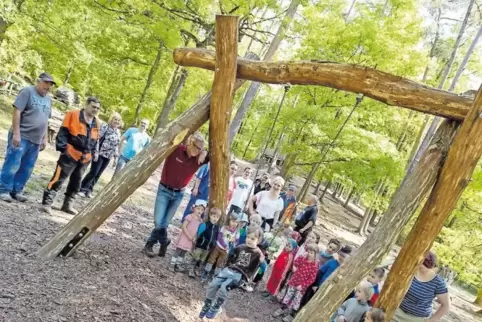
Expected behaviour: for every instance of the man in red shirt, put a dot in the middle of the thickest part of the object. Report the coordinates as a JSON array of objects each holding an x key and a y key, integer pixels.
[{"x": 177, "y": 172}]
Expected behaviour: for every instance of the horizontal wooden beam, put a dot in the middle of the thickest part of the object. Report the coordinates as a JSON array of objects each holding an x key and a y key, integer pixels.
[{"x": 381, "y": 86}]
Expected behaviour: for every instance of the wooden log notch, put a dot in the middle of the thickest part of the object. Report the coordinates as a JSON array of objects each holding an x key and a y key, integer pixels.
[
  {"x": 405, "y": 201},
  {"x": 461, "y": 161},
  {"x": 381, "y": 86},
  {"x": 221, "y": 106}
]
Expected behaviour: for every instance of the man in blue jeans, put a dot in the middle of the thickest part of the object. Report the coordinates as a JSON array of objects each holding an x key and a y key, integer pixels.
[
  {"x": 27, "y": 136},
  {"x": 137, "y": 140},
  {"x": 200, "y": 189},
  {"x": 179, "y": 167}
]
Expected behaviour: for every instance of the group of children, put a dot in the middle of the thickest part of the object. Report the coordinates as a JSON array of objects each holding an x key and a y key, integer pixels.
[{"x": 240, "y": 252}]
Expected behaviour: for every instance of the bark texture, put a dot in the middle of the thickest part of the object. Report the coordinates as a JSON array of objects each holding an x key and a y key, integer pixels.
[
  {"x": 456, "y": 172},
  {"x": 221, "y": 106},
  {"x": 405, "y": 201},
  {"x": 381, "y": 86}
]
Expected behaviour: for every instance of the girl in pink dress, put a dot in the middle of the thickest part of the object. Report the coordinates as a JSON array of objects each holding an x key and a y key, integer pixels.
[{"x": 187, "y": 237}]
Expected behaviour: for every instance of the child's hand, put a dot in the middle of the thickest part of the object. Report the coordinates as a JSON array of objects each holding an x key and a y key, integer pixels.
[
  {"x": 299, "y": 288},
  {"x": 341, "y": 318}
]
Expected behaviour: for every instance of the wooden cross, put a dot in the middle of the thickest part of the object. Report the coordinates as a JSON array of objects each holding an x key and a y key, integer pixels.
[{"x": 447, "y": 176}]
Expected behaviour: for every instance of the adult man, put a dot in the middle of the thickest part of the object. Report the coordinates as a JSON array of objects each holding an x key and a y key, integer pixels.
[
  {"x": 177, "y": 171},
  {"x": 76, "y": 140},
  {"x": 262, "y": 184},
  {"x": 241, "y": 192},
  {"x": 289, "y": 200},
  {"x": 307, "y": 219},
  {"x": 137, "y": 140},
  {"x": 200, "y": 189},
  {"x": 27, "y": 136}
]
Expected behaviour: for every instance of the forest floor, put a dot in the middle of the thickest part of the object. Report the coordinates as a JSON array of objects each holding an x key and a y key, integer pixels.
[{"x": 109, "y": 279}]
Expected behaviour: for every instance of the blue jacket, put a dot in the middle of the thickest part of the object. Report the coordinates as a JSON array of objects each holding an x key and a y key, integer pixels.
[
  {"x": 207, "y": 234},
  {"x": 325, "y": 271}
]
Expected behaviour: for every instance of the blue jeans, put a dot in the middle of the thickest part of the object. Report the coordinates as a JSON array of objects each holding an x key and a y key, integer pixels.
[
  {"x": 167, "y": 202},
  {"x": 121, "y": 163},
  {"x": 220, "y": 283},
  {"x": 191, "y": 202},
  {"x": 18, "y": 165}
]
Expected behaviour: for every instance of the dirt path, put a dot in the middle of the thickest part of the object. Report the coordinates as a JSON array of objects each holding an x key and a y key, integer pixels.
[{"x": 109, "y": 279}]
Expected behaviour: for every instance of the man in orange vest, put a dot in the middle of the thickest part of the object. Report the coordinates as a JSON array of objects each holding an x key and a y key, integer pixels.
[{"x": 77, "y": 141}]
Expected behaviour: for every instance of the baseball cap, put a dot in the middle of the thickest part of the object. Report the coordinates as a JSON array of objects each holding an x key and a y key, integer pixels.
[
  {"x": 292, "y": 187},
  {"x": 243, "y": 217},
  {"x": 47, "y": 78},
  {"x": 201, "y": 202}
]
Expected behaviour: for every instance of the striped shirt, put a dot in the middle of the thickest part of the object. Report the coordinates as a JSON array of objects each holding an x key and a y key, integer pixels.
[{"x": 420, "y": 295}]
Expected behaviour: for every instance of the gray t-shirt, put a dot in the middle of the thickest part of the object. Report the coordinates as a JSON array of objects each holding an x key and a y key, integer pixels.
[{"x": 35, "y": 115}]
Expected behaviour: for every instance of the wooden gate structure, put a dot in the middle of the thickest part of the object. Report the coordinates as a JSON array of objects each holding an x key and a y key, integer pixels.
[{"x": 440, "y": 177}]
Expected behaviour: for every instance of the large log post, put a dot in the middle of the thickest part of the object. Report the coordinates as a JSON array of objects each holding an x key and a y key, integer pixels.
[
  {"x": 405, "y": 201},
  {"x": 461, "y": 161},
  {"x": 221, "y": 106},
  {"x": 381, "y": 86}
]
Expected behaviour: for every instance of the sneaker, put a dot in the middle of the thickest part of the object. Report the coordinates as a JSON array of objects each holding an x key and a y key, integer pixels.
[
  {"x": 6, "y": 197},
  {"x": 278, "y": 313},
  {"x": 192, "y": 273},
  {"x": 205, "y": 308},
  {"x": 89, "y": 195},
  {"x": 288, "y": 318},
  {"x": 179, "y": 268},
  {"x": 215, "y": 309},
  {"x": 265, "y": 294},
  {"x": 20, "y": 197}
]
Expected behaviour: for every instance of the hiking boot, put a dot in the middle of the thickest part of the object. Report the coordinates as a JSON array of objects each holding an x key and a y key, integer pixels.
[
  {"x": 215, "y": 309},
  {"x": 148, "y": 250},
  {"x": 6, "y": 197},
  {"x": 20, "y": 197},
  {"x": 68, "y": 207},
  {"x": 47, "y": 209},
  {"x": 192, "y": 273},
  {"x": 205, "y": 308},
  {"x": 279, "y": 312},
  {"x": 179, "y": 268},
  {"x": 163, "y": 249},
  {"x": 204, "y": 276},
  {"x": 288, "y": 318}
]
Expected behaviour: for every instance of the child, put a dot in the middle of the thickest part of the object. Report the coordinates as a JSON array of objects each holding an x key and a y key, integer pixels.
[
  {"x": 311, "y": 238},
  {"x": 374, "y": 278},
  {"x": 304, "y": 274},
  {"x": 333, "y": 247},
  {"x": 184, "y": 242},
  {"x": 325, "y": 271},
  {"x": 206, "y": 239},
  {"x": 280, "y": 269},
  {"x": 353, "y": 309},
  {"x": 244, "y": 265},
  {"x": 278, "y": 241},
  {"x": 375, "y": 315},
  {"x": 242, "y": 229},
  {"x": 255, "y": 222},
  {"x": 220, "y": 252}
]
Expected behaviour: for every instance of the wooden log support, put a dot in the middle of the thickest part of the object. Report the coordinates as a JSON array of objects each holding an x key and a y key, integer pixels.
[
  {"x": 405, "y": 201},
  {"x": 221, "y": 106},
  {"x": 461, "y": 161},
  {"x": 381, "y": 86}
]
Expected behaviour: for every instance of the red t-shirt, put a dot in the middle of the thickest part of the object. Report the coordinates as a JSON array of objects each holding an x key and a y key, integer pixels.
[{"x": 179, "y": 168}]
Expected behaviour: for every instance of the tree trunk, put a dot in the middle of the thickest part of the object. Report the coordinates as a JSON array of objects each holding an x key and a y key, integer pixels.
[
  {"x": 347, "y": 201},
  {"x": 348, "y": 13},
  {"x": 364, "y": 224},
  {"x": 335, "y": 189},
  {"x": 478, "y": 300},
  {"x": 372, "y": 220},
  {"x": 318, "y": 186},
  {"x": 254, "y": 86},
  {"x": 455, "y": 175},
  {"x": 69, "y": 73},
  {"x": 221, "y": 106},
  {"x": 462, "y": 66},
  {"x": 250, "y": 140},
  {"x": 436, "y": 120},
  {"x": 150, "y": 78},
  {"x": 340, "y": 193},
  {"x": 177, "y": 83},
  {"x": 325, "y": 190},
  {"x": 307, "y": 185},
  {"x": 405, "y": 201},
  {"x": 3, "y": 29},
  {"x": 383, "y": 87},
  {"x": 288, "y": 164},
  {"x": 276, "y": 152},
  {"x": 126, "y": 182}
]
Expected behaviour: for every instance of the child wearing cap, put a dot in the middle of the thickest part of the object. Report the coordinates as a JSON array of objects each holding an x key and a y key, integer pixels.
[{"x": 187, "y": 237}]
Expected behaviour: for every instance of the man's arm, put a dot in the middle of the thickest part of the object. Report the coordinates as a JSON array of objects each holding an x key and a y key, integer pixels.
[
  {"x": 63, "y": 135},
  {"x": 16, "y": 139},
  {"x": 252, "y": 199}
]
